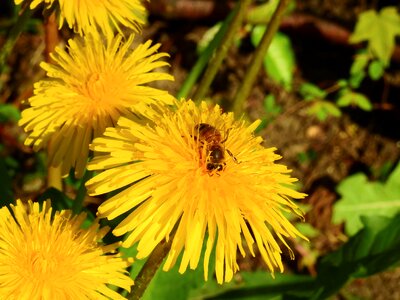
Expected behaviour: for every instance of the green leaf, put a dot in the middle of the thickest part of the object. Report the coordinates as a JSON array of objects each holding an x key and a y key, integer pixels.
[
  {"x": 310, "y": 91},
  {"x": 342, "y": 83},
  {"x": 256, "y": 285},
  {"x": 307, "y": 229},
  {"x": 345, "y": 98},
  {"x": 173, "y": 285},
  {"x": 6, "y": 196},
  {"x": 137, "y": 264},
  {"x": 59, "y": 200},
  {"x": 357, "y": 70},
  {"x": 363, "y": 198},
  {"x": 208, "y": 36},
  {"x": 279, "y": 62},
  {"x": 376, "y": 69},
  {"x": 270, "y": 105},
  {"x": 373, "y": 249},
  {"x": 262, "y": 13},
  {"x": 349, "y": 97},
  {"x": 356, "y": 79},
  {"x": 360, "y": 63},
  {"x": 9, "y": 112},
  {"x": 323, "y": 109},
  {"x": 362, "y": 102},
  {"x": 307, "y": 156},
  {"x": 379, "y": 30}
]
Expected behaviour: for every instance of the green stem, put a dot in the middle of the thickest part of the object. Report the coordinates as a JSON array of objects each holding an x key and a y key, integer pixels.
[
  {"x": 222, "y": 50},
  {"x": 257, "y": 60},
  {"x": 204, "y": 58},
  {"x": 13, "y": 36},
  {"x": 80, "y": 195},
  {"x": 150, "y": 268}
]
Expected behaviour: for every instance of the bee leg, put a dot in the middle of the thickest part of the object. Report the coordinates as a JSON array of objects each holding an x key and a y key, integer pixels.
[
  {"x": 227, "y": 135},
  {"x": 233, "y": 157},
  {"x": 212, "y": 174}
]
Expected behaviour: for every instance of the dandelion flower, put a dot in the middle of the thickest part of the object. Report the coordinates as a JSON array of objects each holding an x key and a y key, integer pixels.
[
  {"x": 199, "y": 170},
  {"x": 85, "y": 16},
  {"x": 87, "y": 90},
  {"x": 45, "y": 257}
]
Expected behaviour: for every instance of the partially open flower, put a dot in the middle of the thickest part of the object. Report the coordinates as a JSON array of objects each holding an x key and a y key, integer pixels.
[{"x": 199, "y": 170}]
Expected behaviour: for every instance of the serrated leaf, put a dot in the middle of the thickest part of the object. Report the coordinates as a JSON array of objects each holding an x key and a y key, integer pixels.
[
  {"x": 372, "y": 250},
  {"x": 376, "y": 69},
  {"x": 379, "y": 30},
  {"x": 363, "y": 198},
  {"x": 279, "y": 62},
  {"x": 310, "y": 91}
]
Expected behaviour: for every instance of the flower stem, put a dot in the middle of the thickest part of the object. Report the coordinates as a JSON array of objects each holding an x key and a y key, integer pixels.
[
  {"x": 150, "y": 268},
  {"x": 222, "y": 50},
  {"x": 51, "y": 36},
  {"x": 51, "y": 41},
  {"x": 80, "y": 195},
  {"x": 257, "y": 60},
  {"x": 13, "y": 36},
  {"x": 204, "y": 59}
]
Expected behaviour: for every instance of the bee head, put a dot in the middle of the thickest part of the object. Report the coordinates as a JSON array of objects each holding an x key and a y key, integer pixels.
[{"x": 215, "y": 166}]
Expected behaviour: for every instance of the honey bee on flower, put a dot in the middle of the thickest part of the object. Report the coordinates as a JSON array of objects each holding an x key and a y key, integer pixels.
[
  {"x": 211, "y": 147},
  {"x": 165, "y": 168}
]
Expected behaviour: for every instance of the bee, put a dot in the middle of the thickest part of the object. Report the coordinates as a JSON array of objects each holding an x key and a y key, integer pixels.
[{"x": 212, "y": 146}]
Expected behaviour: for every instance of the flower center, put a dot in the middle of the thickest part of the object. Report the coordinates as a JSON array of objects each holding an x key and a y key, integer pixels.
[
  {"x": 102, "y": 88},
  {"x": 43, "y": 264}
]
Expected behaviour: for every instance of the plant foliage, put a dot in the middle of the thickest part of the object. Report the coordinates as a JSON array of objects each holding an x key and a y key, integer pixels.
[{"x": 363, "y": 198}]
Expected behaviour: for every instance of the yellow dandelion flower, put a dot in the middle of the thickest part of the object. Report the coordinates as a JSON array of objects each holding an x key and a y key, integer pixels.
[
  {"x": 205, "y": 173},
  {"x": 85, "y": 16},
  {"x": 45, "y": 257},
  {"x": 87, "y": 90}
]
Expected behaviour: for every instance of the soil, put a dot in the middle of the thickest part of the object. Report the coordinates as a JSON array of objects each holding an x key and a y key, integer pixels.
[{"x": 337, "y": 147}]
